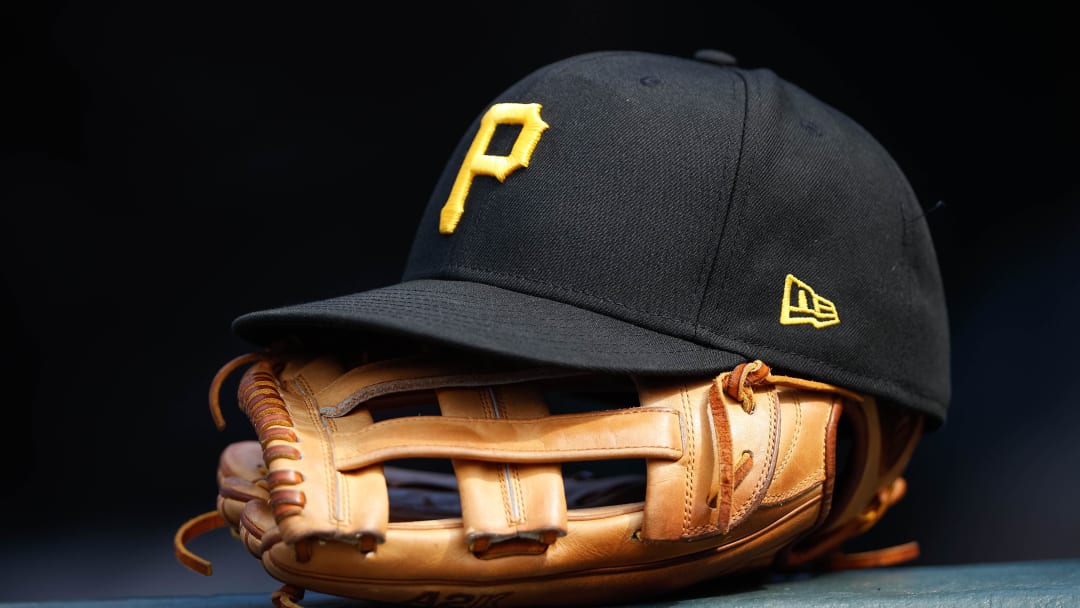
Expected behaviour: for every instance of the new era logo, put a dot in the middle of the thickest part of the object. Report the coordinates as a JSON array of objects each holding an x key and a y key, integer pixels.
[{"x": 803, "y": 305}]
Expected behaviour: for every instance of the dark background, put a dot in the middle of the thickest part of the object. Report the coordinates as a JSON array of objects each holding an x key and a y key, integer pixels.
[{"x": 169, "y": 166}]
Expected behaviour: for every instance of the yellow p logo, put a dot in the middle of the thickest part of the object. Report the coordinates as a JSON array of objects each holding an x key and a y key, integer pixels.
[{"x": 478, "y": 163}]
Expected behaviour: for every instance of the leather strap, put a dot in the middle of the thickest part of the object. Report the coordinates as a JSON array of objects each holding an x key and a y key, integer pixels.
[
  {"x": 627, "y": 433},
  {"x": 503, "y": 501},
  {"x": 192, "y": 528},
  {"x": 394, "y": 376}
]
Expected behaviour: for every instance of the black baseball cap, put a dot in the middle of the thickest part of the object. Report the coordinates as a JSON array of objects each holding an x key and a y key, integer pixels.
[{"x": 627, "y": 211}]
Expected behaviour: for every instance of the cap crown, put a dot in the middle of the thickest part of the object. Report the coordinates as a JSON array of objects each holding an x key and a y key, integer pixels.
[{"x": 721, "y": 205}]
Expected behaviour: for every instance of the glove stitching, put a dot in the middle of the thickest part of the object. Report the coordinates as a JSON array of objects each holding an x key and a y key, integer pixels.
[
  {"x": 519, "y": 490},
  {"x": 515, "y": 470},
  {"x": 487, "y": 407},
  {"x": 810, "y": 478},
  {"x": 688, "y": 488},
  {"x": 335, "y": 495},
  {"x": 792, "y": 443},
  {"x": 756, "y": 495}
]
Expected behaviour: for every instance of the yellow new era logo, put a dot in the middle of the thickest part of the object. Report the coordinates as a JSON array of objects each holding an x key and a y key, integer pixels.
[{"x": 802, "y": 305}]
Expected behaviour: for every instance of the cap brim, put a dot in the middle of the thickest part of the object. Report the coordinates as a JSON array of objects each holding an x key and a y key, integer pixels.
[{"x": 495, "y": 321}]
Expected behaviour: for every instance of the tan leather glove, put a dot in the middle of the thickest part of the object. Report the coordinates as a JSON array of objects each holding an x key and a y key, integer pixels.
[{"x": 556, "y": 487}]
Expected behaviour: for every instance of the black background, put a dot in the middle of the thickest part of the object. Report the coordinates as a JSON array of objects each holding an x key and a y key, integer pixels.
[{"x": 170, "y": 166}]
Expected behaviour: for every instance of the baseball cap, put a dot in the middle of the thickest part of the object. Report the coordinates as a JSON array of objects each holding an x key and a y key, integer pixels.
[{"x": 634, "y": 212}]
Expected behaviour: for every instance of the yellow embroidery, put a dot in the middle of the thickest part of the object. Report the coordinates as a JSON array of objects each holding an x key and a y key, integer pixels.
[
  {"x": 478, "y": 163},
  {"x": 821, "y": 313}
]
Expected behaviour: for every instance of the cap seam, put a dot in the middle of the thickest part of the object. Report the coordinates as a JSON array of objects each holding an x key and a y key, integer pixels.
[
  {"x": 705, "y": 291},
  {"x": 902, "y": 194},
  {"x": 740, "y": 173},
  {"x": 905, "y": 254},
  {"x": 889, "y": 165}
]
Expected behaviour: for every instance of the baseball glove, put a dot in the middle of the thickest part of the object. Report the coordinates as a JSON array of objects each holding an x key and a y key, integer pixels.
[{"x": 461, "y": 481}]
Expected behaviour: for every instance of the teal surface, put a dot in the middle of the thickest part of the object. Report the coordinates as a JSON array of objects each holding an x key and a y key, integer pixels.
[{"x": 1037, "y": 584}]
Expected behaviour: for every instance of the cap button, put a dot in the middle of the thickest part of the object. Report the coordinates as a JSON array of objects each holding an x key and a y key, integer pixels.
[{"x": 715, "y": 56}]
